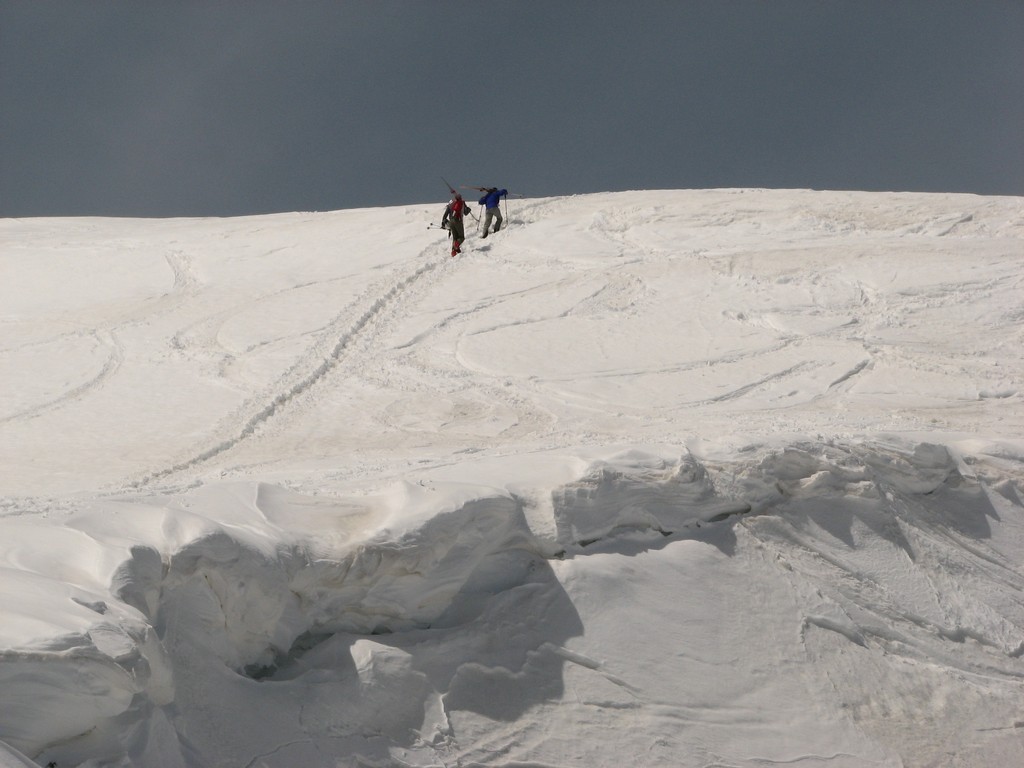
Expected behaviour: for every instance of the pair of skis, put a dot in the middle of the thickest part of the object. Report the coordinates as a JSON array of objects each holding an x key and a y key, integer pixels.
[
  {"x": 480, "y": 189},
  {"x": 452, "y": 190}
]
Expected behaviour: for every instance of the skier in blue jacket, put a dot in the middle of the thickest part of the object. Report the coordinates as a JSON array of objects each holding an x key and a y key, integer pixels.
[{"x": 491, "y": 201}]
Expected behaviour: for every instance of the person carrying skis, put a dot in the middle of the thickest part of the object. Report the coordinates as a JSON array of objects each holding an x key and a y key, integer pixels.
[
  {"x": 490, "y": 201},
  {"x": 452, "y": 221}
]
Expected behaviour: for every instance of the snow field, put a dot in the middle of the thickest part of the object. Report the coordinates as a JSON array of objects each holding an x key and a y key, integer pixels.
[{"x": 665, "y": 478}]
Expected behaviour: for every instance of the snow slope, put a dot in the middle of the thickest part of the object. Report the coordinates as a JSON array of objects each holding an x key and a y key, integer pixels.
[{"x": 677, "y": 478}]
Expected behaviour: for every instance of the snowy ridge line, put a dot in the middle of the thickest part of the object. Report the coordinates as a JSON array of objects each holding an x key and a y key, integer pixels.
[{"x": 303, "y": 385}]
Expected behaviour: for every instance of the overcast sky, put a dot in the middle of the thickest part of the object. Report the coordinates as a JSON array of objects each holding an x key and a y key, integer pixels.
[{"x": 208, "y": 108}]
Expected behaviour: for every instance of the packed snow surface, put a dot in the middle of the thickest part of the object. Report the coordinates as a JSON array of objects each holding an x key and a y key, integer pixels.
[{"x": 683, "y": 478}]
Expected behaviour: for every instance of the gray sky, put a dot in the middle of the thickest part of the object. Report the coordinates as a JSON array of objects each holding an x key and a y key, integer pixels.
[{"x": 207, "y": 108}]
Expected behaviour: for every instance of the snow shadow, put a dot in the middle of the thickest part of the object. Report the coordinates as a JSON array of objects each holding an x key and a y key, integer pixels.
[
  {"x": 883, "y": 490},
  {"x": 494, "y": 651},
  {"x": 378, "y": 646},
  {"x": 638, "y": 501}
]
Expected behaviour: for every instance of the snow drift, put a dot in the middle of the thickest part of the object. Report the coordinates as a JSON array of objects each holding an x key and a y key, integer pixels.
[{"x": 674, "y": 478}]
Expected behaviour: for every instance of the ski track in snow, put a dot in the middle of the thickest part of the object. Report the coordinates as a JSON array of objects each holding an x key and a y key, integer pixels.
[
  {"x": 639, "y": 238},
  {"x": 115, "y": 356},
  {"x": 262, "y": 414},
  {"x": 183, "y": 288},
  {"x": 306, "y": 373}
]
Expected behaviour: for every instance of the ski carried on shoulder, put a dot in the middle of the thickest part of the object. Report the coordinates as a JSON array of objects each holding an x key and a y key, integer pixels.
[{"x": 488, "y": 189}]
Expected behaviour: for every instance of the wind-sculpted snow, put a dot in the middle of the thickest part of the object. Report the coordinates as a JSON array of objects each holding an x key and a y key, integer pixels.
[
  {"x": 639, "y": 493},
  {"x": 371, "y": 624},
  {"x": 677, "y": 478}
]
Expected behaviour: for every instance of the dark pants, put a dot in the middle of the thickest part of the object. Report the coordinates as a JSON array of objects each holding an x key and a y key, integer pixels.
[{"x": 458, "y": 232}]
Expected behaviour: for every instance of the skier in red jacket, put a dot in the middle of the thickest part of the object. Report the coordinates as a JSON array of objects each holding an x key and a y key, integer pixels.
[{"x": 452, "y": 221}]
